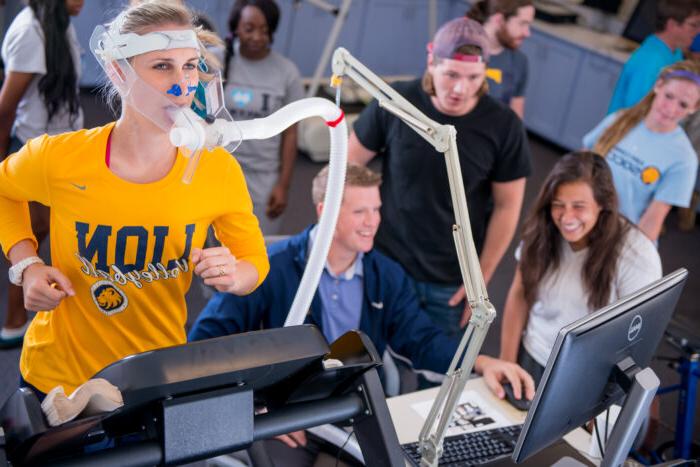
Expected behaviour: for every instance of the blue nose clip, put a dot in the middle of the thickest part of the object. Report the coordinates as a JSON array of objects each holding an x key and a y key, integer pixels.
[{"x": 175, "y": 90}]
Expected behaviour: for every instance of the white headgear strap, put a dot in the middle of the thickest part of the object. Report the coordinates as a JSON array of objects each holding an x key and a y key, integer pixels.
[{"x": 122, "y": 46}]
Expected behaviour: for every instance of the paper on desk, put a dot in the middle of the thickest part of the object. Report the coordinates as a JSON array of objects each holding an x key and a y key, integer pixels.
[{"x": 473, "y": 413}]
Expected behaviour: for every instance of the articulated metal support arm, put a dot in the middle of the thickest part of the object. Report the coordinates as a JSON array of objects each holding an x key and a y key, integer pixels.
[{"x": 443, "y": 138}]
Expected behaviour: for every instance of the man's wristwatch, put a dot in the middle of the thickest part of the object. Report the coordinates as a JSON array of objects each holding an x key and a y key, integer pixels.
[{"x": 17, "y": 270}]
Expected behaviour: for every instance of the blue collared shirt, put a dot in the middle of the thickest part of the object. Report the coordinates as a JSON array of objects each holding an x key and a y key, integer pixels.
[{"x": 341, "y": 297}]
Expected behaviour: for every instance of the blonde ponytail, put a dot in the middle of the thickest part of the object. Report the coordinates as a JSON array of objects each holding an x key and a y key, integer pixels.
[{"x": 631, "y": 117}]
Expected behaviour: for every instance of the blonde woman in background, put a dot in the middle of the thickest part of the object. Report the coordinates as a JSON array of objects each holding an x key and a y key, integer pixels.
[{"x": 653, "y": 163}]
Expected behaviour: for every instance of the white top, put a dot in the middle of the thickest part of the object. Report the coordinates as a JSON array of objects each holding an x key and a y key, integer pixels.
[
  {"x": 23, "y": 51},
  {"x": 561, "y": 298}
]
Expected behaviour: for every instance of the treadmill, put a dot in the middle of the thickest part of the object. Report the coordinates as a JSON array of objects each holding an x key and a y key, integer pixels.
[{"x": 203, "y": 399}]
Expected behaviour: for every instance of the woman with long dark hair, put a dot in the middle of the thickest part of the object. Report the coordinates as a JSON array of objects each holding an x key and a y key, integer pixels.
[
  {"x": 653, "y": 162},
  {"x": 258, "y": 82},
  {"x": 577, "y": 255},
  {"x": 39, "y": 95}
]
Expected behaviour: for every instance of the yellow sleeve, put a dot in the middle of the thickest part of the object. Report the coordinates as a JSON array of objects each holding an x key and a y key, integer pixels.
[
  {"x": 22, "y": 179},
  {"x": 238, "y": 229}
]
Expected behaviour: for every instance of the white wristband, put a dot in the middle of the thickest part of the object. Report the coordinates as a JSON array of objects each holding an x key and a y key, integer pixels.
[{"x": 16, "y": 271}]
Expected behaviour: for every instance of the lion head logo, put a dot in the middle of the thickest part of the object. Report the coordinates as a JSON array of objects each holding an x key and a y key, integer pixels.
[{"x": 108, "y": 298}]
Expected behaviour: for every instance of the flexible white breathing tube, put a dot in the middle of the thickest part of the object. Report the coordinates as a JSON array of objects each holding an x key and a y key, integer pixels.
[{"x": 221, "y": 132}]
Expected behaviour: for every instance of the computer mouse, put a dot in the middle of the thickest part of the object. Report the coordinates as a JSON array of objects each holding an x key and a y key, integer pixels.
[{"x": 520, "y": 404}]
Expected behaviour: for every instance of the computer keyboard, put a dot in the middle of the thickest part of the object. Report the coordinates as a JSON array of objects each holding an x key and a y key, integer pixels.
[{"x": 474, "y": 448}]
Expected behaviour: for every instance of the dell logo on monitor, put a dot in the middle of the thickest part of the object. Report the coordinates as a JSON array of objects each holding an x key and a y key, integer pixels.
[{"x": 635, "y": 327}]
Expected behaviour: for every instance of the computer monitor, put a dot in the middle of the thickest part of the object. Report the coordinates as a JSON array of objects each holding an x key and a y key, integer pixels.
[
  {"x": 642, "y": 22},
  {"x": 582, "y": 379}
]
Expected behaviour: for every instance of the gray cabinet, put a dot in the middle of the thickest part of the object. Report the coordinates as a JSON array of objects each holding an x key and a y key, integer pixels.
[
  {"x": 569, "y": 88},
  {"x": 94, "y": 12},
  {"x": 389, "y": 36},
  {"x": 303, "y": 43},
  {"x": 591, "y": 96},
  {"x": 396, "y": 37},
  {"x": 552, "y": 67}
]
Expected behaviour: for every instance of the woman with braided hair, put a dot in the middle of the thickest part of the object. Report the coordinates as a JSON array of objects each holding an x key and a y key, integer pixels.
[{"x": 39, "y": 95}]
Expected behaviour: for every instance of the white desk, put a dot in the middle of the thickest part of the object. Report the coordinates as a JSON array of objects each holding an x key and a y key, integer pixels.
[{"x": 408, "y": 422}]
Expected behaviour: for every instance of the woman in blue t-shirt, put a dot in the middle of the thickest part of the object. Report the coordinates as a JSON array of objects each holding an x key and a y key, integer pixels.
[{"x": 652, "y": 160}]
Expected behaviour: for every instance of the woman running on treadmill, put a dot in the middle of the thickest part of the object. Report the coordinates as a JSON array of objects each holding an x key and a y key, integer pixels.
[{"x": 126, "y": 233}]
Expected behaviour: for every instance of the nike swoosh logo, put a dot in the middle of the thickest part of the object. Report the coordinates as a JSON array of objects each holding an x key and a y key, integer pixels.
[
  {"x": 79, "y": 187},
  {"x": 378, "y": 305}
]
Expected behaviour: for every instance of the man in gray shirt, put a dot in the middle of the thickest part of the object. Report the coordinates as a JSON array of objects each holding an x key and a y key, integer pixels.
[{"x": 507, "y": 25}]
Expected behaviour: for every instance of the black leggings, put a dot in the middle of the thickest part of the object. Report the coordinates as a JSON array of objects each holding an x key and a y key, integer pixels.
[
  {"x": 530, "y": 365},
  {"x": 23, "y": 384}
]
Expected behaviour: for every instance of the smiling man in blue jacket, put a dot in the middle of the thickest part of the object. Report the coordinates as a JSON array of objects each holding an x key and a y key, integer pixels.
[{"x": 360, "y": 288}]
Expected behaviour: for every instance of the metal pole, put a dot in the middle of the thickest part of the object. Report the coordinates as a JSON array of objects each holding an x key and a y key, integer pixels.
[
  {"x": 432, "y": 19},
  {"x": 443, "y": 139},
  {"x": 328, "y": 48}
]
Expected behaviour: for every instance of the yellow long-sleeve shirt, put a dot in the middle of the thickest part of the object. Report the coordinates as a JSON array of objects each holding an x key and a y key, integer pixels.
[{"x": 124, "y": 246}]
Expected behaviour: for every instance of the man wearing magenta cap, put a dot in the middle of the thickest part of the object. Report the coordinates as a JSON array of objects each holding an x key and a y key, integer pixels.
[{"x": 494, "y": 157}]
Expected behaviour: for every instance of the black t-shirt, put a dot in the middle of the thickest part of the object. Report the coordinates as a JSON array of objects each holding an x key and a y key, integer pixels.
[{"x": 417, "y": 215}]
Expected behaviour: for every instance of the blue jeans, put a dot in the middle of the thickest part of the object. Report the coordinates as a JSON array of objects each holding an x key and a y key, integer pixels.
[{"x": 433, "y": 300}]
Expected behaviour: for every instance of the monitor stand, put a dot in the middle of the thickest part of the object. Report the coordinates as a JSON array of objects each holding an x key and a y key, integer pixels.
[
  {"x": 567, "y": 461},
  {"x": 640, "y": 386}
]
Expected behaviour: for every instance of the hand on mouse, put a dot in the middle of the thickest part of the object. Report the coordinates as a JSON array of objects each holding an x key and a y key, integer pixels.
[
  {"x": 520, "y": 404},
  {"x": 495, "y": 371}
]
